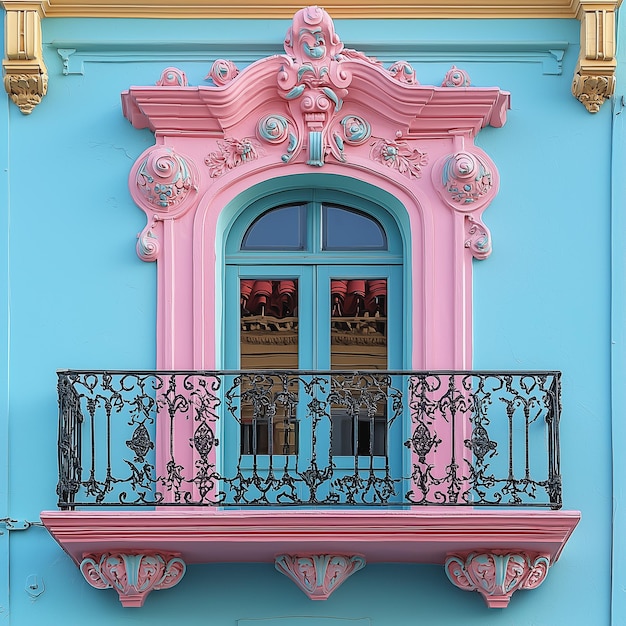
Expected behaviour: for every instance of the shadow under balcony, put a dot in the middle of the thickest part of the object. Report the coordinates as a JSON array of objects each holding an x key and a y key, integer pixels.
[{"x": 315, "y": 471}]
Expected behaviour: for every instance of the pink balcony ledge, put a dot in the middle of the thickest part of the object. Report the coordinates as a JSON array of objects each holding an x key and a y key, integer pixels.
[{"x": 492, "y": 552}]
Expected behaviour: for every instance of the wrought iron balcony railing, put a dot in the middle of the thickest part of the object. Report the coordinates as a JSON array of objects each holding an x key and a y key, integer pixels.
[{"x": 279, "y": 438}]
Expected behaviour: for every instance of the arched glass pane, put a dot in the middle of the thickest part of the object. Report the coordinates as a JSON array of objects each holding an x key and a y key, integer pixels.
[
  {"x": 282, "y": 228},
  {"x": 348, "y": 229}
]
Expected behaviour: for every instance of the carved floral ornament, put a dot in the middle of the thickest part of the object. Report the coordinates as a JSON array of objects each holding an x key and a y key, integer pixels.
[
  {"x": 314, "y": 80},
  {"x": 495, "y": 574},
  {"x": 319, "y": 575},
  {"x": 165, "y": 179}
]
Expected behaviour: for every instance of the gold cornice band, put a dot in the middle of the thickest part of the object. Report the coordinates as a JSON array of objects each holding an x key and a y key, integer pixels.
[
  {"x": 279, "y": 9},
  {"x": 26, "y": 79}
]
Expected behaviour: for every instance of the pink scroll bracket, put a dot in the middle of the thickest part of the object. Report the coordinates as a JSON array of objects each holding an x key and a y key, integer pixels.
[
  {"x": 133, "y": 575},
  {"x": 497, "y": 575},
  {"x": 319, "y": 575}
]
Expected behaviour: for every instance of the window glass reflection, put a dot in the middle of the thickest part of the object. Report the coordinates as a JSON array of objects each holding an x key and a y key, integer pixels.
[
  {"x": 358, "y": 341},
  {"x": 348, "y": 229},
  {"x": 282, "y": 228},
  {"x": 269, "y": 341}
]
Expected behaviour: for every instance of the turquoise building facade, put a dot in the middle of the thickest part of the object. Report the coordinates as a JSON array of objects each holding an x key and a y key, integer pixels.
[{"x": 74, "y": 294}]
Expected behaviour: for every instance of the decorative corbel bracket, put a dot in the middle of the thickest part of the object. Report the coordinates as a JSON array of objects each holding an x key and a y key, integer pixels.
[
  {"x": 164, "y": 184},
  {"x": 319, "y": 575},
  {"x": 25, "y": 74},
  {"x": 497, "y": 574},
  {"x": 594, "y": 79},
  {"x": 467, "y": 181},
  {"x": 132, "y": 574}
]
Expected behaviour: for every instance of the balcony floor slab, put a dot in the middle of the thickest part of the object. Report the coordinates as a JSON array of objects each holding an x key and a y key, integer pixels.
[{"x": 381, "y": 536}]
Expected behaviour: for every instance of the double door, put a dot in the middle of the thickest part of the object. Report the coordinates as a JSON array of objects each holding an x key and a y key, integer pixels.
[{"x": 313, "y": 343}]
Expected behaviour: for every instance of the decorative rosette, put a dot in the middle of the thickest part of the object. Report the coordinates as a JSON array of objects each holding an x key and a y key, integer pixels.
[
  {"x": 456, "y": 78},
  {"x": 356, "y": 130},
  {"x": 403, "y": 72},
  {"x": 466, "y": 177},
  {"x": 163, "y": 180},
  {"x": 273, "y": 129},
  {"x": 172, "y": 77},
  {"x": 222, "y": 72}
]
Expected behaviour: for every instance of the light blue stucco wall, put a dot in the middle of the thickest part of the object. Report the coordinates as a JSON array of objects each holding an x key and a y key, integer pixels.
[
  {"x": 80, "y": 298},
  {"x": 4, "y": 351},
  {"x": 618, "y": 331}
]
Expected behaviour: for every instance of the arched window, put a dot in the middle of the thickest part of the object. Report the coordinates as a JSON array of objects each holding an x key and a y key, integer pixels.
[{"x": 314, "y": 283}]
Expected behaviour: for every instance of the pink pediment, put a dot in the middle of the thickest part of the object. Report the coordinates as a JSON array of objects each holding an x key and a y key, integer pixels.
[
  {"x": 320, "y": 109},
  {"x": 318, "y": 86}
]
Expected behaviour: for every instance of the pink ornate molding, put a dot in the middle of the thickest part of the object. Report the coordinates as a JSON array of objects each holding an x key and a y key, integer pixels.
[
  {"x": 319, "y": 575},
  {"x": 320, "y": 114},
  {"x": 318, "y": 549},
  {"x": 318, "y": 109},
  {"x": 416, "y": 535},
  {"x": 164, "y": 181},
  {"x": 132, "y": 574},
  {"x": 497, "y": 574}
]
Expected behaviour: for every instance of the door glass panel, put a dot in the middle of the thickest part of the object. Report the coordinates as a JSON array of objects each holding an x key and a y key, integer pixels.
[
  {"x": 358, "y": 342},
  {"x": 269, "y": 341},
  {"x": 358, "y": 334}
]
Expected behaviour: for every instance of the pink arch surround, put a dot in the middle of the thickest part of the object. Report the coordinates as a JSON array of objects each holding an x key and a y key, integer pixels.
[
  {"x": 319, "y": 115},
  {"x": 318, "y": 109}
]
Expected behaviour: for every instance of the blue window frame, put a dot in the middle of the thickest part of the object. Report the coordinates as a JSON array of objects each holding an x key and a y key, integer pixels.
[{"x": 313, "y": 282}]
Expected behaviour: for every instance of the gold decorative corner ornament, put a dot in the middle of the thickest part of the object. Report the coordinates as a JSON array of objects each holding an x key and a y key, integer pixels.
[
  {"x": 25, "y": 74},
  {"x": 594, "y": 79}
]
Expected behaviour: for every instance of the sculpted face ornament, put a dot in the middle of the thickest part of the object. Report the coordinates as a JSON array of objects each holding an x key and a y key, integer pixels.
[{"x": 313, "y": 83}]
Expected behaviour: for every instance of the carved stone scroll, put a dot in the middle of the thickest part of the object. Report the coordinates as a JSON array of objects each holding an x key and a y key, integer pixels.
[{"x": 164, "y": 180}]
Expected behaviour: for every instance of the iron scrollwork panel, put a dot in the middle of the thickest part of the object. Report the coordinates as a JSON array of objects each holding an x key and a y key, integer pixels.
[{"x": 160, "y": 438}]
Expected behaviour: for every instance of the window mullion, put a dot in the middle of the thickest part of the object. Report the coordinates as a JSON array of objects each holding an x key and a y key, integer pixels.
[{"x": 315, "y": 226}]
